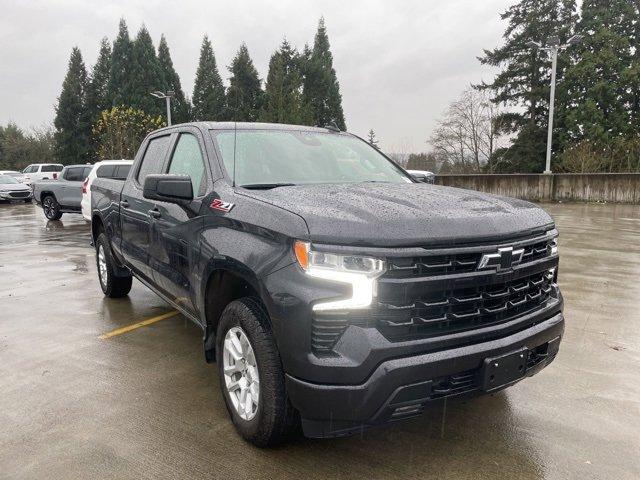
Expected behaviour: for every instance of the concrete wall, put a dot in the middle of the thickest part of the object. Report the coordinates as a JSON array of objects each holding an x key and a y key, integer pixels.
[{"x": 578, "y": 187}]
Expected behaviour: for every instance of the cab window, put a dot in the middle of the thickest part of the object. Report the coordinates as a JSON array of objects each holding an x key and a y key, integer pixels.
[
  {"x": 153, "y": 158},
  {"x": 187, "y": 160}
]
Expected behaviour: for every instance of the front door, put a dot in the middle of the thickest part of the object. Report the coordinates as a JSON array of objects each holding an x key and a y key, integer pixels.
[
  {"x": 175, "y": 229},
  {"x": 135, "y": 210}
]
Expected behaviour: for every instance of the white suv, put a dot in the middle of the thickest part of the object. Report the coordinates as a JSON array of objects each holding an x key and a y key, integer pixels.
[
  {"x": 116, "y": 169},
  {"x": 41, "y": 171}
]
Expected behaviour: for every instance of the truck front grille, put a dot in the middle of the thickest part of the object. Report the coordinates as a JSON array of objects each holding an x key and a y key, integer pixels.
[
  {"x": 435, "y": 295},
  {"x": 456, "y": 310}
]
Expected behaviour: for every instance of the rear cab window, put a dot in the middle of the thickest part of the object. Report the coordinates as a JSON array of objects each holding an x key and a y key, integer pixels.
[
  {"x": 153, "y": 158},
  {"x": 74, "y": 174},
  {"x": 52, "y": 168}
]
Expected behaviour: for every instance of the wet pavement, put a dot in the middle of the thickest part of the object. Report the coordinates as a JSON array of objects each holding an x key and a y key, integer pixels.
[{"x": 145, "y": 404}]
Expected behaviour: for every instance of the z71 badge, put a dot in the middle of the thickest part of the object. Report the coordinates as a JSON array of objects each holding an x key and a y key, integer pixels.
[{"x": 221, "y": 206}]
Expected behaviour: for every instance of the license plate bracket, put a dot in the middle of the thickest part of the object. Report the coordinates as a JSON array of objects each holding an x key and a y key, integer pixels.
[{"x": 499, "y": 372}]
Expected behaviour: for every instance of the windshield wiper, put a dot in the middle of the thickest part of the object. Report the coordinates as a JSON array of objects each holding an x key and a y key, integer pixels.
[{"x": 266, "y": 186}]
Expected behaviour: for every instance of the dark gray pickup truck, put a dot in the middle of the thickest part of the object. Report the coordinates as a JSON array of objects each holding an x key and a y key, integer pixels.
[{"x": 334, "y": 292}]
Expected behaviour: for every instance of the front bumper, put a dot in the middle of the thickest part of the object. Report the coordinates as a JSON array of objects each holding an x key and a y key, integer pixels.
[
  {"x": 11, "y": 196},
  {"x": 401, "y": 387}
]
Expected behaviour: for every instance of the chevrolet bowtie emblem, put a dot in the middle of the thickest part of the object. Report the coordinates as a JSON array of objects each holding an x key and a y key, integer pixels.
[{"x": 504, "y": 259}]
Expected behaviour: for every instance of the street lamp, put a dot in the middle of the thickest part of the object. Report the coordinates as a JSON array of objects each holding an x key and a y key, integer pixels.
[
  {"x": 553, "y": 46},
  {"x": 167, "y": 96}
]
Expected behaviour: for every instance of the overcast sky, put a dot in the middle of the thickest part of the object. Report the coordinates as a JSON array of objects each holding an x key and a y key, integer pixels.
[{"x": 399, "y": 63}]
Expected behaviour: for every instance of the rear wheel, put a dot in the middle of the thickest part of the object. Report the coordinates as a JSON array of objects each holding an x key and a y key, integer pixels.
[
  {"x": 112, "y": 285},
  {"x": 51, "y": 208},
  {"x": 251, "y": 375}
]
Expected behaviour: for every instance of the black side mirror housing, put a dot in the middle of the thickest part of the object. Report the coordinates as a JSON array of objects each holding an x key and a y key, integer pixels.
[{"x": 168, "y": 188}]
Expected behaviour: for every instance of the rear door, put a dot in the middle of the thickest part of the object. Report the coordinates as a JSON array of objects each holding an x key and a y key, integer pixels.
[
  {"x": 174, "y": 228},
  {"x": 134, "y": 208}
]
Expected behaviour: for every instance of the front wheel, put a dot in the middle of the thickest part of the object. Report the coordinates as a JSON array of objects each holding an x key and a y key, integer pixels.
[
  {"x": 51, "y": 208},
  {"x": 251, "y": 375},
  {"x": 113, "y": 286}
]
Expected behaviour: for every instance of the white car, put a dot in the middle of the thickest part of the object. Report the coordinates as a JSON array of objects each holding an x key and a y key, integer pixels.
[
  {"x": 12, "y": 191},
  {"x": 116, "y": 169},
  {"x": 41, "y": 171},
  {"x": 12, "y": 173}
]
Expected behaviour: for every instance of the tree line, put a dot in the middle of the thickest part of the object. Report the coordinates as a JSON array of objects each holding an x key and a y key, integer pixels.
[
  {"x": 105, "y": 112},
  {"x": 503, "y": 123}
]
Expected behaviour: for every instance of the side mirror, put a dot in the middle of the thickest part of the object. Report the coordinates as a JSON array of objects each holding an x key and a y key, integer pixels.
[
  {"x": 420, "y": 177},
  {"x": 168, "y": 188}
]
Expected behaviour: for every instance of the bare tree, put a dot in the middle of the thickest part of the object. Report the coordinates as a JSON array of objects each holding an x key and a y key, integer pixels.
[{"x": 467, "y": 135}]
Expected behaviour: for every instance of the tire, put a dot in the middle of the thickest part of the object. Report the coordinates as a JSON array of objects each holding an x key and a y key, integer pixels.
[
  {"x": 113, "y": 286},
  {"x": 51, "y": 208},
  {"x": 274, "y": 420}
]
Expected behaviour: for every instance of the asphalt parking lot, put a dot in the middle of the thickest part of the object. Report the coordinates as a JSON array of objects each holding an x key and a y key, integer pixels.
[{"x": 144, "y": 404}]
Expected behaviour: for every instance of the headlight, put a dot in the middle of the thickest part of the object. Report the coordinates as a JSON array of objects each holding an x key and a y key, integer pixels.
[
  {"x": 554, "y": 247},
  {"x": 359, "y": 272}
]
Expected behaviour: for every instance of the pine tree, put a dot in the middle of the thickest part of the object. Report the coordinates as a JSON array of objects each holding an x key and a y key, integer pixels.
[
  {"x": 180, "y": 108},
  {"x": 283, "y": 100},
  {"x": 373, "y": 141},
  {"x": 321, "y": 87},
  {"x": 72, "y": 122},
  {"x": 524, "y": 81},
  {"x": 146, "y": 76},
  {"x": 208, "y": 91},
  {"x": 119, "y": 86},
  {"x": 97, "y": 89},
  {"x": 244, "y": 95},
  {"x": 599, "y": 85}
]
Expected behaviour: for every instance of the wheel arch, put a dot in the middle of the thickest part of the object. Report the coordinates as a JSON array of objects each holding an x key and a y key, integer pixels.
[{"x": 223, "y": 283}]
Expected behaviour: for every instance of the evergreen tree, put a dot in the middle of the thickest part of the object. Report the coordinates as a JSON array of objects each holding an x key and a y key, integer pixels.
[
  {"x": 600, "y": 86},
  {"x": 283, "y": 100},
  {"x": 373, "y": 141},
  {"x": 244, "y": 95},
  {"x": 97, "y": 88},
  {"x": 180, "y": 109},
  {"x": 72, "y": 122},
  {"x": 119, "y": 86},
  {"x": 524, "y": 81},
  {"x": 146, "y": 76},
  {"x": 321, "y": 87},
  {"x": 208, "y": 91}
]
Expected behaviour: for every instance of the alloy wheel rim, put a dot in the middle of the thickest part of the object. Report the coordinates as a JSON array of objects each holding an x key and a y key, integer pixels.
[
  {"x": 48, "y": 207},
  {"x": 241, "y": 376},
  {"x": 102, "y": 265}
]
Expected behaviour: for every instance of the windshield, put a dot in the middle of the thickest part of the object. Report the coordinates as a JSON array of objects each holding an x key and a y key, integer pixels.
[
  {"x": 274, "y": 157},
  {"x": 5, "y": 179}
]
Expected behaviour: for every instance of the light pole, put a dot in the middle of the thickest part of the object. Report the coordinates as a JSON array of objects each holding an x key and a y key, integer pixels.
[
  {"x": 553, "y": 46},
  {"x": 167, "y": 96}
]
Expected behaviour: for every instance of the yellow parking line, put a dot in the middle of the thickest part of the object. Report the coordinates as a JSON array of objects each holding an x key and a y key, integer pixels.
[{"x": 134, "y": 326}]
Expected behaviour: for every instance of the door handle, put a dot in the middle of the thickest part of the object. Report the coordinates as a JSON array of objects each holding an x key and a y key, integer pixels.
[
  {"x": 155, "y": 213},
  {"x": 124, "y": 204}
]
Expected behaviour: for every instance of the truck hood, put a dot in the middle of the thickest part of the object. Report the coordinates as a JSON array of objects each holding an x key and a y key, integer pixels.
[{"x": 390, "y": 215}]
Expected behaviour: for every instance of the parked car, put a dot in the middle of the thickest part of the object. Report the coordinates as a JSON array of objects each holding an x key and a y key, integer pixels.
[
  {"x": 116, "y": 169},
  {"x": 423, "y": 176},
  {"x": 12, "y": 190},
  {"x": 12, "y": 173},
  {"x": 41, "y": 171},
  {"x": 63, "y": 195},
  {"x": 333, "y": 294}
]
